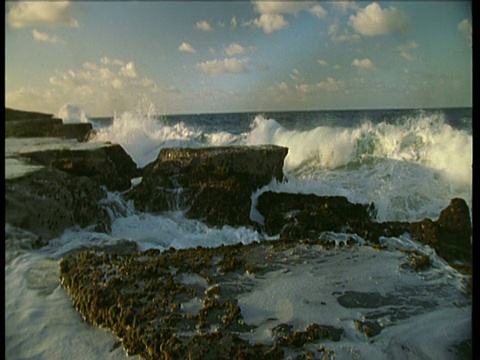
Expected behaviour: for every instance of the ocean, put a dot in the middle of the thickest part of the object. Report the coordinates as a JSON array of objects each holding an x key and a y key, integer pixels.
[{"x": 409, "y": 163}]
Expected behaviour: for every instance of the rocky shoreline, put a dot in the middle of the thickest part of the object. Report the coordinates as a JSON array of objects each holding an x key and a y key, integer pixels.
[{"x": 142, "y": 296}]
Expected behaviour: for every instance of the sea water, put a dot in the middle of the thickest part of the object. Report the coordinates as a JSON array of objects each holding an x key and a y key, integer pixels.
[{"x": 409, "y": 163}]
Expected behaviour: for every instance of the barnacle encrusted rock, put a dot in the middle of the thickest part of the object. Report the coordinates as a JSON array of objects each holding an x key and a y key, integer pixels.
[{"x": 180, "y": 303}]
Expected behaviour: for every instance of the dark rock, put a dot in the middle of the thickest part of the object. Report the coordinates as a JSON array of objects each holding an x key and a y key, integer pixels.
[
  {"x": 212, "y": 184},
  {"x": 305, "y": 216},
  {"x": 14, "y": 115},
  {"x": 450, "y": 236},
  {"x": 107, "y": 165},
  {"x": 23, "y": 124},
  {"x": 300, "y": 216},
  {"x": 48, "y": 201}
]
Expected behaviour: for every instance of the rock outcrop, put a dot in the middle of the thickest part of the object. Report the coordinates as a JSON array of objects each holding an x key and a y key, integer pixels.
[
  {"x": 23, "y": 124},
  {"x": 306, "y": 216},
  {"x": 212, "y": 184},
  {"x": 450, "y": 235},
  {"x": 48, "y": 201},
  {"x": 107, "y": 165}
]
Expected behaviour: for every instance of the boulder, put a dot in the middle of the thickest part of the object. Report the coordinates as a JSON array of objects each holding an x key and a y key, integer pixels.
[
  {"x": 48, "y": 201},
  {"x": 107, "y": 165},
  {"x": 212, "y": 184}
]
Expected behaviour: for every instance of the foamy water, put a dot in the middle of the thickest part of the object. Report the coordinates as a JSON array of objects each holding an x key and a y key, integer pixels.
[{"x": 410, "y": 167}]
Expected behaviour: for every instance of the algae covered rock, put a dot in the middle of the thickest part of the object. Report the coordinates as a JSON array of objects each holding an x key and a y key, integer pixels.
[
  {"x": 212, "y": 184},
  {"x": 107, "y": 165},
  {"x": 48, "y": 201}
]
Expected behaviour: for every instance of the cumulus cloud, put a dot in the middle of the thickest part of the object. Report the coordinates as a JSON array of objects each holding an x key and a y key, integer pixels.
[
  {"x": 405, "y": 48},
  {"x": 33, "y": 13},
  {"x": 330, "y": 85},
  {"x": 373, "y": 20},
  {"x": 465, "y": 29},
  {"x": 345, "y": 5},
  {"x": 295, "y": 75},
  {"x": 186, "y": 47},
  {"x": 203, "y": 25},
  {"x": 280, "y": 7},
  {"x": 236, "y": 49},
  {"x": 44, "y": 37},
  {"x": 272, "y": 13},
  {"x": 318, "y": 11},
  {"x": 107, "y": 61},
  {"x": 364, "y": 64},
  {"x": 322, "y": 62},
  {"x": 225, "y": 66},
  {"x": 270, "y": 22},
  {"x": 129, "y": 70},
  {"x": 333, "y": 32}
]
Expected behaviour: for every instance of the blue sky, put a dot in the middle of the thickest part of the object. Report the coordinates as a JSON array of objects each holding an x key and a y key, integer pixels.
[{"x": 202, "y": 57}]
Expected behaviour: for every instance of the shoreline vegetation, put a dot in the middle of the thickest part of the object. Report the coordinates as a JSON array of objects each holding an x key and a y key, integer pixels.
[{"x": 181, "y": 303}]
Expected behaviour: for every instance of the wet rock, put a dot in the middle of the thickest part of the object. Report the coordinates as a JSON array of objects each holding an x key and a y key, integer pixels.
[
  {"x": 48, "y": 201},
  {"x": 33, "y": 124},
  {"x": 211, "y": 184},
  {"x": 151, "y": 300},
  {"x": 450, "y": 236},
  {"x": 306, "y": 216},
  {"x": 300, "y": 216},
  {"x": 107, "y": 165},
  {"x": 369, "y": 328}
]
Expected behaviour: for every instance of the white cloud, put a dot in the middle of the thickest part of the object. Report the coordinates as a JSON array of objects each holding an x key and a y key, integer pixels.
[
  {"x": 345, "y": 37},
  {"x": 225, "y": 66},
  {"x": 404, "y": 48},
  {"x": 280, "y": 7},
  {"x": 33, "y": 13},
  {"x": 236, "y": 49},
  {"x": 99, "y": 88},
  {"x": 333, "y": 32},
  {"x": 44, "y": 37},
  {"x": 465, "y": 29},
  {"x": 204, "y": 25},
  {"x": 129, "y": 70},
  {"x": 322, "y": 62},
  {"x": 373, "y": 20},
  {"x": 364, "y": 64},
  {"x": 331, "y": 85},
  {"x": 106, "y": 61},
  {"x": 270, "y": 22},
  {"x": 295, "y": 75},
  {"x": 283, "y": 86},
  {"x": 186, "y": 47},
  {"x": 345, "y": 5},
  {"x": 318, "y": 11}
]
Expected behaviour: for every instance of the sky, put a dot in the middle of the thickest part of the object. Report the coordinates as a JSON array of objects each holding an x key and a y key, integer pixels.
[{"x": 237, "y": 56}]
